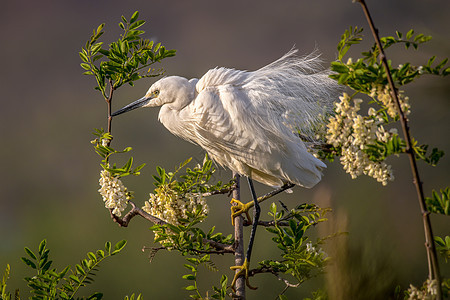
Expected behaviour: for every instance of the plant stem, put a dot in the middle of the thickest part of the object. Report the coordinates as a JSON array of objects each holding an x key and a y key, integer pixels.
[
  {"x": 433, "y": 264},
  {"x": 109, "y": 102},
  {"x": 239, "y": 254}
]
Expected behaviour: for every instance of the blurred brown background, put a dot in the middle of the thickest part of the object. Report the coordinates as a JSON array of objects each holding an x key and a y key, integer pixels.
[{"x": 49, "y": 175}]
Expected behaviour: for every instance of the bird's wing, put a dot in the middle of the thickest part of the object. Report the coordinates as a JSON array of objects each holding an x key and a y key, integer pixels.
[
  {"x": 233, "y": 131},
  {"x": 292, "y": 90},
  {"x": 222, "y": 125},
  {"x": 254, "y": 118}
]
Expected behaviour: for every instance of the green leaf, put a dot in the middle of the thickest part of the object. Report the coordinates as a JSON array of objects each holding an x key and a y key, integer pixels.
[
  {"x": 28, "y": 262},
  {"x": 409, "y": 34},
  {"x": 80, "y": 269},
  {"x": 419, "y": 37},
  {"x": 273, "y": 208},
  {"x": 190, "y": 288},
  {"x": 343, "y": 78},
  {"x": 108, "y": 247},
  {"x": 293, "y": 226},
  {"x": 30, "y": 253},
  {"x": 223, "y": 281},
  {"x": 134, "y": 17},
  {"x": 339, "y": 67},
  {"x": 138, "y": 168},
  {"x": 190, "y": 267},
  {"x": 100, "y": 253},
  {"x": 96, "y": 48},
  {"x": 189, "y": 277},
  {"x": 127, "y": 166},
  {"x": 42, "y": 247},
  {"x": 137, "y": 25},
  {"x": 441, "y": 64},
  {"x": 119, "y": 246},
  {"x": 443, "y": 246},
  {"x": 95, "y": 296},
  {"x": 85, "y": 66},
  {"x": 83, "y": 57},
  {"x": 92, "y": 256},
  {"x": 439, "y": 203},
  {"x": 75, "y": 278},
  {"x": 446, "y": 71},
  {"x": 104, "y": 52},
  {"x": 100, "y": 28},
  {"x": 64, "y": 272},
  {"x": 46, "y": 266},
  {"x": 193, "y": 260},
  {"x": 205, "y": 258},
  {"x": 282, "y": 297},
  {"x": 430, "y": 61}
]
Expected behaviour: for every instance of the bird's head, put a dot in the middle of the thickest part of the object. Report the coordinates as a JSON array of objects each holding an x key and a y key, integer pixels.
[{"x": 175, "y": 91}]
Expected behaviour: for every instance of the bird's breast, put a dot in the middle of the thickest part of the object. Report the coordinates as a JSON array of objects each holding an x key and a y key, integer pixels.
[{"x": 176, "y": 123}]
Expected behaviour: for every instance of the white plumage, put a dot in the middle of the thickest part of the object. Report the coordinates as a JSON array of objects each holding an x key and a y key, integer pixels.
[{"x": 250, "y": 122}]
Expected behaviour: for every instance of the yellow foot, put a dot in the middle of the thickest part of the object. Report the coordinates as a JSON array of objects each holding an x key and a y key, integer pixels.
[
  {"x": 240, "y": 208},
  {"x": 243, "y": 271}
]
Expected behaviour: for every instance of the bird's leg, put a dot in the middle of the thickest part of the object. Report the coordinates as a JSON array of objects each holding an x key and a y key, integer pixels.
[
  {"x": 243, "y": 270},
  {"x": 256, "y": 214},
  {"x": 241, "y": 208}
]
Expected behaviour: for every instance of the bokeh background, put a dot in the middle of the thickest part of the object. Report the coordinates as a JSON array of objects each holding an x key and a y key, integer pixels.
[{"x": 49, "y": 171}]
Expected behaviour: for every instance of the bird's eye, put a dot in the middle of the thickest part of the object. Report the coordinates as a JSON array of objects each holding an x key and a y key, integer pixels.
[{"x": 156, "y": 92}]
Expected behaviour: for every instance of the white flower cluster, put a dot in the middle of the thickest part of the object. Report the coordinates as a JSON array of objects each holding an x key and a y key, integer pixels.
[
  {"x": 353, "y": 132},
  {"x": 167, "y": 205},
  {"x": 383, "y": 94},
  {"x": 312, "y": 250},
  {"x": 114, "y": 193},
  {"x": 429, "y": 291}
]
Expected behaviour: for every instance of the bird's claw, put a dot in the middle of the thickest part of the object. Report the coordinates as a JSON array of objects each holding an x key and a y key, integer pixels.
[
  {"x": 243, "y": 271},
  {"x": 240, "y": 208}
]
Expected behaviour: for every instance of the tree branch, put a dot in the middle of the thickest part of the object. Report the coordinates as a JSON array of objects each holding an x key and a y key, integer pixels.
[
  {"x": 433, "y": 263},
  {"x": 272, "y": 223},
  {"x": 239, "y": 254},
  {"x": 136, "y": 211},
  {"x": 284, "y": 187},
  {"x": 156, "y": 249},
  {"x": 262, "y": 270},
  {"x": 228, "y": 190}
]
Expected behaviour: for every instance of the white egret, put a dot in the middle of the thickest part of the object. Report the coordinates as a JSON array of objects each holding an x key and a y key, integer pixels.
[{"x": 259, "y": 124}]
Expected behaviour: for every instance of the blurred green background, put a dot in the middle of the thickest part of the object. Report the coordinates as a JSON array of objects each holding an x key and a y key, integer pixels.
[{"x": 48, "y": 110}]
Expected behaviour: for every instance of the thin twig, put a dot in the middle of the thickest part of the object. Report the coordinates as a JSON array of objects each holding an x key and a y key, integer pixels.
[
  {"x": 286, "y": 186},
  {"x": 153, "y": 251},
  {"x": 262, "y": 270},
  {"x": 109, "y": 102},
  {"x": 220, "y": 192},
  {"x": 270, "y": 194},
  {"x": 156, "y": 249},
  {"x": 433, "y": 263},
  {"x": 211, "y": 251},
  {"x": 272, "y": 223}
]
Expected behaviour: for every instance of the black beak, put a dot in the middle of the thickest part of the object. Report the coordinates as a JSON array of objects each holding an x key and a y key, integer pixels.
[{"x": 136, "y": 104}]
